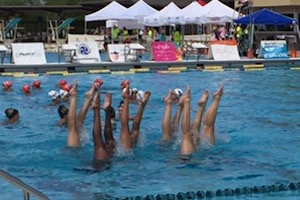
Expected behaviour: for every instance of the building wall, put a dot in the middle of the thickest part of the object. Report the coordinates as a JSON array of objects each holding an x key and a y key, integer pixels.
[{"x": 275, "y": 3}]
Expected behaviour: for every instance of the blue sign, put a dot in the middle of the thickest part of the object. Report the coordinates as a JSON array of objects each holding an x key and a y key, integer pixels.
[{"x": 274, "y": 49}]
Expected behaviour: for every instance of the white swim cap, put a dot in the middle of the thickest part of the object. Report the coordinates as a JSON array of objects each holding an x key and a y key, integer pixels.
[
  {"x": 125, "y": 90},
  {"x": 140, "y": 94},
  {"x": 63, "y": 93},
  {"x": 134, "y": 89},
  {"x": 178, "y": 92},
  {"x": 53, "y": 94}
]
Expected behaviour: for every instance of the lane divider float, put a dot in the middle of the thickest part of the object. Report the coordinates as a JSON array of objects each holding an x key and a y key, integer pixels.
[
  {"x": 99, "y": 71},
  {"x": 213, "y": 68},
  {"x": 255, "y": 67}
]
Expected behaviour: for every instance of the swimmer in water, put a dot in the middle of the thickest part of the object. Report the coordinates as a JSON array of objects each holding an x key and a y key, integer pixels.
[
  {"x": 12, "y": 115},
  {"x": 61, "y": 83},
  {"x": 26, "y": 89},
  {"x": 75, "y": 121},
  {"x": 63, "y": 114},
  {"x": 190, "y": 134},
  {"x": 130, "y": 138},
  {"x": 170, "y": 127},
  {"x": 64, "y": 95},
  {"x": 55, "y": 97},
  {"x": 7, "y": 86},
  {"x": 36, "y": 85},
  {"x": 103, "y": 149}
]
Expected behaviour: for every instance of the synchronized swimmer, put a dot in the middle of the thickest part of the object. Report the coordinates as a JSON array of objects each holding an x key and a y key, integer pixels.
[{"x": 104, "y": 148}]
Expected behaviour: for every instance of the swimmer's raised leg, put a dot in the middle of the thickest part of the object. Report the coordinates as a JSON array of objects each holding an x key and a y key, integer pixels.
[
  {"x": 187, "y": 145},
  {"x": 73, "y": 135},
  {"x": 125, "y": 134},
  {"x": 138, "y": 118},
  {"x": 108, "y": 134},
  {"x": 198, "y": 118},
  {"x": 100, "y": 152},
  {"x": 211, "y": 114},
  {"x": 88, "y": 100},
  {"x": 176, "y": 119},
  {"x": 166, "y": 123}
]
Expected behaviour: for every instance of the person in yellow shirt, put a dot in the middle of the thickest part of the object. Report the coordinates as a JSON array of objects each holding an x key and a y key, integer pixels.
[
  {"x": 126, "y": 38},
  {"x": 115, "y": 34},
  {"x": 177, "y": 38}
]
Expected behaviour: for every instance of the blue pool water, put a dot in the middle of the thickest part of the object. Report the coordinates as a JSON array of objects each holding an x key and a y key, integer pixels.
[{"x": 258, "y": 139}]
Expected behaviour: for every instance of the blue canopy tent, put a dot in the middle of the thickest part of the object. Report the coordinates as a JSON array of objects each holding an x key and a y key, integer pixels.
[{"x": 266, "y": 17}]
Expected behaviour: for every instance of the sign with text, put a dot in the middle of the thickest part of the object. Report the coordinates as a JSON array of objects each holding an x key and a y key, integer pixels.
[
  {"x": 28, "y": 53},
  {"x": 165, "y": 51},
  {"x": 224, "y": 50},
  {"x": 274, "y": 48}
]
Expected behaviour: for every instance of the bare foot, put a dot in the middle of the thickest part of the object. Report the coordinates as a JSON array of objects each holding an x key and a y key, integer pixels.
[
  {"x": 90, "y": 93},
  {"x": 125, "y": 93},
  {"x": 73, "y": 91},
  {"x": 146, "y": 97},
  {"x": 96, "y": 102},
  {"x": 168, "y": 99},
  {"x": 186, "y": 96},
  {"x": 203, "y": 100},
  {"x": 107, "y": 101},
  {"x": 219, "y": 92}
]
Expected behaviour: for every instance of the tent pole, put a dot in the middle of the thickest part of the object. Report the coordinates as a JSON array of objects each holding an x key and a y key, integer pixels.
[
  {"x": 252, "y": 34},
  {"x": 182, "y": 34},
  {"x": 85, "y": 26},
  {"x": 298, "y": 32}
]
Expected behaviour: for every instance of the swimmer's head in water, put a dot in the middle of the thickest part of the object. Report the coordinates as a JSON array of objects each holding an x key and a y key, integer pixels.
[
  {"x": 134, "y": 91},
  {"x": 178, "y": 92},
  {"x": 11, "y": 112},
  {"x": 63, "y": 93},
  {"x": 62, "y": 111},
  {"x": 26, "y": 89},
  {"x": 61, "y": 83},
  {"x": 36, "y": 84},
  {"x": 140, "y": 94},
  {"x": 53, "y": 94},
  {"x": 67, "y": 87},
  {"x": 7, "y": 84}
]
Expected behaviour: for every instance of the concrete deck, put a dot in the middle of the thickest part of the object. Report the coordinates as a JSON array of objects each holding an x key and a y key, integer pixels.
[{"x": 151, "y": 66}]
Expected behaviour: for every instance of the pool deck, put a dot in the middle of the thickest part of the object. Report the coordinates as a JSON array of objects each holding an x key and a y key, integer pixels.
[{"x": 152, "y": 66}]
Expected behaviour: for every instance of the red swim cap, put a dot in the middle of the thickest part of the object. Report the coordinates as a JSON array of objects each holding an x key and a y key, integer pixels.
[
  {"x": 36, "y": 84},
  {"x": 62, "y": 82},
  {"x": 98, "y": 82},
  {"x": 7, "y": 84},
  {"x": 67, "y": 87},
  {"x": 26, "y": 88}
]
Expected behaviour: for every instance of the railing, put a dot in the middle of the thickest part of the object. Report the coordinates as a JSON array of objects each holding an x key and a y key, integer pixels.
[{"x": 27, "y": 190}]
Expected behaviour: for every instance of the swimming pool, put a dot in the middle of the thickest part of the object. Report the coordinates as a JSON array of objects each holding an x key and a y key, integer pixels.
[{"x": 257, "y": 142}]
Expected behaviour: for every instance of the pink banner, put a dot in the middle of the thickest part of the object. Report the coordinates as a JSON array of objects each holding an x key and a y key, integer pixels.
[{"x": 165, "y": 51}]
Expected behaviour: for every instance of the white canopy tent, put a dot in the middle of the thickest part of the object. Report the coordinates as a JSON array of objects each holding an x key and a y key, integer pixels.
[
  {"x": 111, "y": 11},
  {"x": 192, "y": 13},
  {"x": 166, "y": 16},
  {"x": 137, "y": 11},
  {"x": 216, "y": 12}
]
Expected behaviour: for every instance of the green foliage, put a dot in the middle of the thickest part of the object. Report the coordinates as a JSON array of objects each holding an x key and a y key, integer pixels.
[
  {"x": 19, "y": 2},
  {"x": 62, "y": 2}
]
